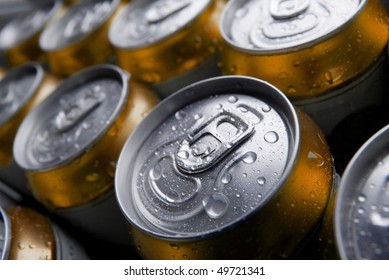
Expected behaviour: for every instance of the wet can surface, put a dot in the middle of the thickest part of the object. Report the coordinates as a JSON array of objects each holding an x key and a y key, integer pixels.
[
  {"x": 362, "y": 203},
  {"x": 224, "y": 169},
  {"x": 21, "y": 89},
  {"x": 20, "y": 35},
  {"x": 168, "y": 44},
  {"x": 78, "y": 39},
  {"x": 323, "y": 55},
  {"x": 25, "y": 234},
  {"x": 69, "y": 144}
]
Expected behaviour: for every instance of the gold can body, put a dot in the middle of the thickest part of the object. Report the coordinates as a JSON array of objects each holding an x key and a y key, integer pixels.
[{"x": 327, "y": 64}]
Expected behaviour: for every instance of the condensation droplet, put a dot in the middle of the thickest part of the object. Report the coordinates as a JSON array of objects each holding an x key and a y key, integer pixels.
[
  {"x": 291, "y": 90},
  {"x": 283, "y": 75},
  {"x": 156, "y": 172},
  {"x": 240, "y": 13},
  {"x": 175, "y": 246},
  {"x": 183, "y": 154},
  {"x": 315, "y": 159},
  {"x": 266, "y": 108},
  {"x": 250, "y": 157},
  {"x": 261, "y": 180},
  {"x": 180, "y": 115},
  {"x": 243, "y": 109},
  {"x": 92, "y": 177},
  {"x": 328, "y": 77},
  {"x": 361, "y": 198},
  {"x": 232, "y": 99},
  {"x": 198, "y": 116},
  {"x": 215, "y": 205},
  {"x": 219, "y": 106},
  {"x": 271, "y": 137},
  {"x": 226, "y": 178}
]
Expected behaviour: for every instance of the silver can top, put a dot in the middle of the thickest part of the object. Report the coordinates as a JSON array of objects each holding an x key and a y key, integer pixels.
[
  {"x": 17, "y": 87},
  {"x": 207, "y": 157},
  {"x": 72, "y": 118},
  {"x": 143, "y": 23},
  {"x": 27, "y": 24},
  {"x": 79, "y": 21},
  {"x": 278, "y": 25},
  {"x": 362, "y": 205}
]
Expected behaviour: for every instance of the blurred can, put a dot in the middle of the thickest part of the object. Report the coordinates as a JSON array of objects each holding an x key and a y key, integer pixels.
[
  {"x": 325, "y": 56},
  {"x": 168, "y": 44},
  {"x": 69, "y": 144},
  {"x": 21, "y": 89},
  {"x": 78, "y": 39},
  {"x": 8, "y": 197},
  {"x": 362, "y": 203},
  {"x": 25, "y": 234},
  {"x": 225, "y": 168},
  {"x": 20, "y": 35}
]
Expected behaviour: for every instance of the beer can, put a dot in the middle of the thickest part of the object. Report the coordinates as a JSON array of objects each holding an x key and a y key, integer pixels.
[
  {"x": 225, "y": 168},
  {"x": 362, "y": 204},
  {"x": 26, "y": 234},
  {"x": 19, "y": 36},
  {"x": 324, "y": 55},
  {"x": 78, "y": 38},
  {"x": 69, "y": 144},
  {"x": 21, "y": 89},
  {"x": 168, "y": 44}
]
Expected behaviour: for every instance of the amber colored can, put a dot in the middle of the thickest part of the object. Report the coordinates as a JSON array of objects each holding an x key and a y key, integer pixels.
[
  {"x": 19, "y": 37},
  {"x": 26, "y": 234},
  {"x": 78, "y": 38},
  {"x": 168, "y": 44},
  {"x": 225, "y": 168},
  {"x": 325, "y": 56},
  {"x": 69, "y": 145}
]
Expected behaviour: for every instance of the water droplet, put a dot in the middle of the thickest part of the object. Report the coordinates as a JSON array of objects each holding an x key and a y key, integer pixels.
[
  {"x": 361, "y": 211},
  {"x": 291, "y": 90},
  {"x": 183, "y": 154},
  {"x": 315, "y": 159},
  {"x": 156, "y": 172},
  {"x": 226, "y": 178},
  {"x": 361, "y": 198},
  {"x": 219, "y": 106},
  {"x": 296, "y": 63},
  {"x": 243, "y": 109},
  {"x": 244, "y": 174},
  {"x": 21, "y": 246},
  {"x": 238, "y": 195},
  {"x": 180, "y": 115},
  {"x": 328, "y": 77},
  {"x": 174, "y": 128},
  {"x": 240, "y": 13},
  {"x": 249, "y": 157},
  {"x": 261, "y": 180},
  {"x": 215, "y": 205},
  {"x": 175, "y": 246},
  {"x": 198, "y": 116},
  {"x": 283, "y": 75},
  {"x": 271, "y": 137},
  {"x": 378, "y": 220},
  {"x": 92, "y": 177},
  {"x": 232, "y": 99},
  {"x": 111, "y": 168},
  {"x": 266, "y": 108}
]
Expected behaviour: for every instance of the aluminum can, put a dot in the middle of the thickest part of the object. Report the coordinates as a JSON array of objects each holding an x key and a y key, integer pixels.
[
  {"x": 25, "y": 234},
  {"x": 78, "y": 38},
  {"x": 225, "y": 168},
  {"x": 21, "y": 89},
  {"x": 361, "y": 211},
  {"x": 168, "y": 44},
  {"x": 324, "y": 55},
  {"x": 69, "y": 144},
  {"x": 19, "y": 36}
]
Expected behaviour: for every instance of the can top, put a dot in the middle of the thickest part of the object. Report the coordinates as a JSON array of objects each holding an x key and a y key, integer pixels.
[
  {"x": 207, "y": 157},
  {"x": 5, "y": 235},
  {"x": 79, "y": 21},
  {"x": 72, "y": 118},
  {"x": 27, "y": 24},
  {"x": 282, "y": 26},
  {"x": 17, "y": 87},
  {"x": 144, "y": 22},
  {"x": 362, "y": 205}
]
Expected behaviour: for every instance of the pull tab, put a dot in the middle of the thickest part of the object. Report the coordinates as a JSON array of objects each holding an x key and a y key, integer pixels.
[
  {"x": 78, "y": 109},
  {"x": 209, "y": 143},
  {"x": 284, "y": 9},
  {"x": 165, "y": 8}
]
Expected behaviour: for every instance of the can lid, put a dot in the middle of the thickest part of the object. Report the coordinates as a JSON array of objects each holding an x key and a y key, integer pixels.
[
  {"x": 207, "y": 157},
  {"x": 144, "y": 22},
  {"x": 5, "y": 235},
  {"x": 17, "y": 87},
  {"x": 362, "y": 205},
  {"x": 27, "y": 24},
  {"x": 79, "y": 21},
  {"x": 279, "y": 26},
  {"x": 72, "y": 118}
]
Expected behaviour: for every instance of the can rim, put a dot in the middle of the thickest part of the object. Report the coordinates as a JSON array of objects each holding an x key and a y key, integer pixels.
[
  {"x": 122, "y": 13},
  {"x": 168, "y": 107},
  {"x": 296, "y": 48},
  {"x": 25, "y": 128},
  {"x": 10, "y": 75},
  {"x": 57, "y": 4},
  {"x": 48, "y": 30},
  {"x": 367, "y": 153},
  {"x": 7, "y": 235}
]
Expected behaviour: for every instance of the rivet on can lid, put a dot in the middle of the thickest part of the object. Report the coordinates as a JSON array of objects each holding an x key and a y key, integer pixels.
[{"x": 275, "y": 25}]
